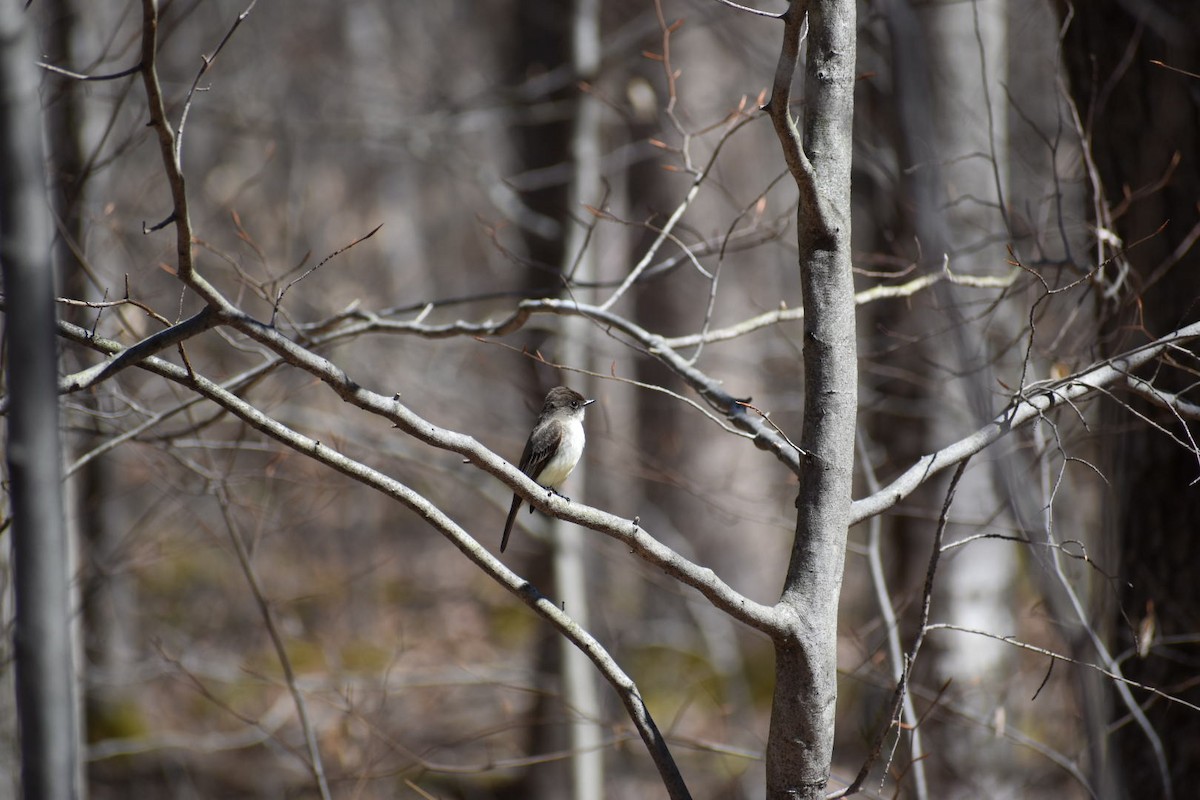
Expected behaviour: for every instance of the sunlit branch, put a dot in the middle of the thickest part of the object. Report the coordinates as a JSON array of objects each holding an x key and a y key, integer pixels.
[
  {"x": 432, "y": 514},
  {"x": 1015, "y": 642},
  {"x": 1168, "y": 400},
  {"x": 111, "y": 76},
  {"x": 1037, "y": 401},
  {"x": 756, "y": 11},
  {"x": 630, "y": 533},
  {"x": 861, "y": 298},
  {"x": 130, "y": 356}
]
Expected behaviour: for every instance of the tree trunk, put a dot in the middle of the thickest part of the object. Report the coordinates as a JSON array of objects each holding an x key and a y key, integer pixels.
[
  {"x": 800, "y": 743},
  {"x": 1141, "y": 116},
  {"x": 43, "y": 657}
]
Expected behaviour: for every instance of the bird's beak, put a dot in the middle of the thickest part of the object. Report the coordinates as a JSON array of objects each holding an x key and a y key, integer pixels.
[{"x": 589, "y": 402}]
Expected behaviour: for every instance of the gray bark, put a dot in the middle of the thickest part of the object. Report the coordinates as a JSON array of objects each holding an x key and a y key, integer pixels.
[
  {"x": 42, "y": 639},
  {"x": 571, "y": 568},
  {"x": 800, "y": 744},
  {"x": 968, "y": 170}
]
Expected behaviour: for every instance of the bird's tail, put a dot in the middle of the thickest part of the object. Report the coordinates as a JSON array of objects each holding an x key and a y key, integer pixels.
[{"x": 508, "y": 524}]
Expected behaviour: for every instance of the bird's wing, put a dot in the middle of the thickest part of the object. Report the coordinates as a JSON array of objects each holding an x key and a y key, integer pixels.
[{"x": 541, "y": 447}]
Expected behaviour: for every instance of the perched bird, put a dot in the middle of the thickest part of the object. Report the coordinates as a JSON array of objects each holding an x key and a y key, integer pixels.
[{"x": 554, "y": 446}]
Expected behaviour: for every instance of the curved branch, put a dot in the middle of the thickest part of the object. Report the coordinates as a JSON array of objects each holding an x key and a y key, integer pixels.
[
  {"x": 1112, "y": 676},
  {"x": 861, "y": 298},
  {"x": 624, "y": 686},
  {"x": 779, "y": 106},
  {"x": 128, "y": 357},
  {"x": 1020, "y": 411},
  {"x": 758, "y": 12},
  {"x": 111, "y": 76},
  {"x": 630, "y": 533},
  {"x": 168, "y": 145},
  {"x": 766, "y": 437}
]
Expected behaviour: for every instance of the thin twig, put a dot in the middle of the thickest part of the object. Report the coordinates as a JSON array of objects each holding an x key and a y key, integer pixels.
[
  {"x": 285, "y": 662},
  {"x": 875, "y": 293},
  {"x": 756, "y": 11},
  {"x": 206, "y": 63},
  {"x": 111, "y": 76},
  {"x": 1023, "y": 409},
  {"x": 911, "y": 657},
  {"x": 1111, "y": 667},
  {"x": 892, "y": 630},
  {"x": 1116, "y": 677},
  {"x": 311, "y": 270}
]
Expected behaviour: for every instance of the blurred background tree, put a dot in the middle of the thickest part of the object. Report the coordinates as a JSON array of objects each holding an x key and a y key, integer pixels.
[{"x": 231, "y": 588}]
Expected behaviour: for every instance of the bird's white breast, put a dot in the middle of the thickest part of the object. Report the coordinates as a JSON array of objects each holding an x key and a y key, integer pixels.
[{"x": 560, "y": 465}]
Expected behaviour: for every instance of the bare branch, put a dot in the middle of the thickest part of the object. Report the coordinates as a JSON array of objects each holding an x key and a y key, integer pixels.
[
  {"x": 311, "y": 270},
  {"x": 205, "y": 64},
  {"x": 1015, "y": 642},
  {"x": 111, "y": 76},
  {"x": 285, "y": 662},
  {"x": 1081, "y": 614},
  {"x": 169, "y": 151},
  {"x": 861, "y": 298},
  {"x": 1021, "y": 410},
  {"x": 900, "y": 666},
  {"x": 128, "y": 357},
  {"x": 756, "y": 11},
  {"x": 641, "y": 541},
  {"x": 778, "y": 107},
  {"x": 1168, "y": 400}
]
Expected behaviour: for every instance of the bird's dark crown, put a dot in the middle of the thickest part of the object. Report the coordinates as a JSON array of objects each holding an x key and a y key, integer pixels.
[{"x": 562, "y": 397}]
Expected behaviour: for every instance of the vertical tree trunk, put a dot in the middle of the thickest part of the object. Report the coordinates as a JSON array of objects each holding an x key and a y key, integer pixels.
[
  {"x": 42, "y": 634},
  {"x": 540, "y": 41},
  {"x": 107, "y": 595},
  {"x": 800, "y": 743},
  {"x": 967, "y": 165},
  {"x": 571, "y": 572},
  {"x": 1142, "y": 116}
]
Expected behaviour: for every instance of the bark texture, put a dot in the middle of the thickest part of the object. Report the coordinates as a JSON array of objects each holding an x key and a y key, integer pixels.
[{"x": 800, "y": 745}]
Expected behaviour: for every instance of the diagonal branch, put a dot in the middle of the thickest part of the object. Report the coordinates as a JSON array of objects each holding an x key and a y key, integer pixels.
[
  {"x": 766, "y": 437},
  {"x": 629, "y": 533},
  {"x": 1183, "y": 409},
  {"x": 169, "y": 150},
  {"x": 901, "y": 693},
  {"x": 779, "y": 106},
  {"x": 624, "y": 686},
  {"x": 1021, "y": 411},
  {"x": 128, "y": 357},
  {"x": 314, "y": 763}
]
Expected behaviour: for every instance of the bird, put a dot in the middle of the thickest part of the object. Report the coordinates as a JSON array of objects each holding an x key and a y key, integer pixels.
[{"x": 554, "y": 447}]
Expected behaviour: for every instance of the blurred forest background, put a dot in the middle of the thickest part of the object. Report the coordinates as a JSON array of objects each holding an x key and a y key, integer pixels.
[{"x": 1025, "y": 194}]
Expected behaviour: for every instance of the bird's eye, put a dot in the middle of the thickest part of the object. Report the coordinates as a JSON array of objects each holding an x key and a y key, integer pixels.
[{"x": 574, "y": 404}]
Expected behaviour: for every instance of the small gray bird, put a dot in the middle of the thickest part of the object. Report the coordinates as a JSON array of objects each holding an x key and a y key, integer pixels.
[{"x": 554, "y": 446}]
